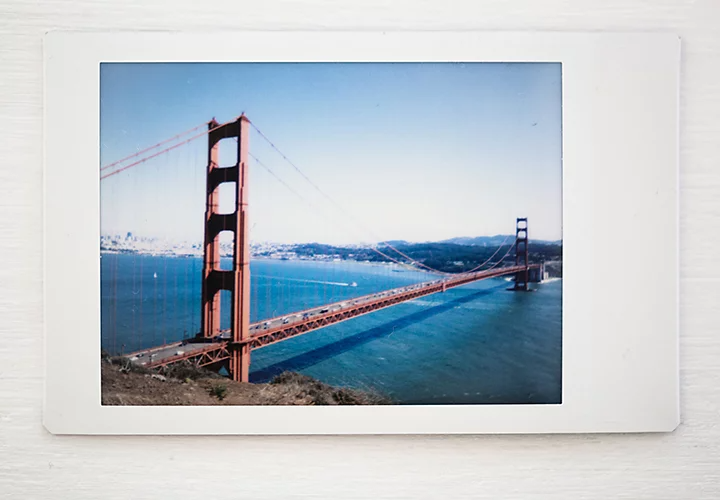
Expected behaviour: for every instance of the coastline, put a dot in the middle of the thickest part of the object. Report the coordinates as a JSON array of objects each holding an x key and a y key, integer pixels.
[
  {"x": 262, "y": 258},
  {"x": 125, "y": 384},
  {"x": 380, "y": 264}
]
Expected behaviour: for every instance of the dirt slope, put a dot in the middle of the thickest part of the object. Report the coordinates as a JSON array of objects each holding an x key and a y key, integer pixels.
[{"x": 124, "y": 385}]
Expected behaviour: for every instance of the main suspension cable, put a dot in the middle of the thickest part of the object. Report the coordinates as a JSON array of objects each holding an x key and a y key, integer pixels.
[
  {"x": 489, "y": 258},
  {"x": 311, "y": 205},
  {"x": 138, "y": 162},
  {"x": 123, "y": 160},
  {"x": 349, "y": 214},
  {"x": 503, "y": 257}
]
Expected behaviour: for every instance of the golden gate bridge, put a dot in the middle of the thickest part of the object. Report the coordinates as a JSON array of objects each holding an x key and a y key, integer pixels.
[{"x": 230, "y": 348}]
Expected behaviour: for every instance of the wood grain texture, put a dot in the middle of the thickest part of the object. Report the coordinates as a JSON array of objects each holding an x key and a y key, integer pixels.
[{"x": 35, "y": 464}]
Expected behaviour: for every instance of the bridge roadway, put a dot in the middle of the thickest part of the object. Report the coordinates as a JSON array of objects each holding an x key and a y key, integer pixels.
[{"x": 205, "y": 352}]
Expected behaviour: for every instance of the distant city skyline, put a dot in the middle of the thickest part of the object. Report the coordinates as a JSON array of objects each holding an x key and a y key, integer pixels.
[{"x": 415, "y": 152}]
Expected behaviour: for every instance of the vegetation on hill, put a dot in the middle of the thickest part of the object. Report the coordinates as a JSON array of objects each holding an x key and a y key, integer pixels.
[
  {"x": 447, "y": 257},
  {"x": 184, "y": 384}
]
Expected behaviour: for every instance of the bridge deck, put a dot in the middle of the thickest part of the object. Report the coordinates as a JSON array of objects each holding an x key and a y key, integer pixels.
[{"x": 274, "y": 330}]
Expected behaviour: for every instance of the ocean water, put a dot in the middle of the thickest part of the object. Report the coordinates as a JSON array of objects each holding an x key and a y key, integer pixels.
[{"x": 475, "y": 344}]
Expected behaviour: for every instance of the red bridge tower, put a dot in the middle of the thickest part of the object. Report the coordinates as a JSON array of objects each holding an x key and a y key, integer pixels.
[
  {"x": 237, "y": 280},
  {"x": 521, "y": 254}
]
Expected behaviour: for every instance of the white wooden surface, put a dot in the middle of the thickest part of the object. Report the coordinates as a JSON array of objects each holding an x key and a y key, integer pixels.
[{"x": 34, "y": 464}]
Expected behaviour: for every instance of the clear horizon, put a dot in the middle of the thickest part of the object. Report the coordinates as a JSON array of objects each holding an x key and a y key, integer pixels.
[{"x": 417, "y": 152}]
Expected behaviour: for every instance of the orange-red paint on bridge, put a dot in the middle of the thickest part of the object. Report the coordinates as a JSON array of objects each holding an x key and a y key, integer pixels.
[{"x": 218, "y": 350}]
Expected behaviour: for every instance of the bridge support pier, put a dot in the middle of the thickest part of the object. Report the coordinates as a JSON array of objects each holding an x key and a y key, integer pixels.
[
  {"x": 536, "y": 274},
  {"x": 240, "y": 363},
  {"x": 237, "y": 280},
  {"x": 521, "y": 255}
]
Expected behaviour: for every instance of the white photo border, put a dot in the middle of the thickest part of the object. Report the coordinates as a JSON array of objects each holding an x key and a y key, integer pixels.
[{"x": 620, "y": 231}]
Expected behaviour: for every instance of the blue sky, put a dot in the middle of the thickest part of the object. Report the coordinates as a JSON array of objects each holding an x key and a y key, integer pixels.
[{"x": 420, "y": 152}]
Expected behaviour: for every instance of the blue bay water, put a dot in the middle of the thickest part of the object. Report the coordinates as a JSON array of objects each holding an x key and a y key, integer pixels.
[{"x": 474, "y": 344}]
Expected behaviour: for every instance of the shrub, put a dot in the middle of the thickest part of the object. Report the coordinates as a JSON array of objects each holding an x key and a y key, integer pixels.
[
  {"x": 219, "y": 391},
  {"x": 323, "y": 394}
]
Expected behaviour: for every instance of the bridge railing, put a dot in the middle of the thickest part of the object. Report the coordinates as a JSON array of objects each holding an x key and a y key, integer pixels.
[{"x": 220, "y": 350}]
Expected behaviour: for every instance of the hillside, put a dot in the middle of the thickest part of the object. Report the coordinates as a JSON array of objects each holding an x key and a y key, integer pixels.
[
  {"x": 128, "y": 385},
  {"x": 493, "y": 240},
  {"x": 447, "y": 257}
]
